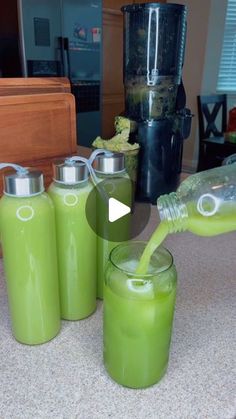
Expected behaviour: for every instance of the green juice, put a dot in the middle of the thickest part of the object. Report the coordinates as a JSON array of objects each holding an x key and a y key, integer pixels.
[
  {"x": 111, "y": 234},
  {"x": 222, "y": 222},
  {"x": 30, "y": 262},
  {"x": 138, "y": 316},
  {"x": 156, "y": 239},
  {"x": 140, "y": 285},
  {"x": 76, "y": 247},
  {"x": 104, "y": 248}
]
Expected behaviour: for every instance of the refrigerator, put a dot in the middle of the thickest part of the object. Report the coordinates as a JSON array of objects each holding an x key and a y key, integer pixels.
[{"x": 63, "y": 38}]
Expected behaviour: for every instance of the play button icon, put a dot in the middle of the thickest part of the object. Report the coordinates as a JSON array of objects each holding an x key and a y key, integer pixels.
[
  {"x": 117, "y": 210},
  {"x": 112, "y": 213}
]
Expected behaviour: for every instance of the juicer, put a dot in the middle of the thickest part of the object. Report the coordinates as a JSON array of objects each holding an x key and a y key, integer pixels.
[{"x": 154, "y": 42}]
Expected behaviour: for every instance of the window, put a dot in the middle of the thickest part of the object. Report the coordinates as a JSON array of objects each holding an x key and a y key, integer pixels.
[{"x": 227, "y": 71}]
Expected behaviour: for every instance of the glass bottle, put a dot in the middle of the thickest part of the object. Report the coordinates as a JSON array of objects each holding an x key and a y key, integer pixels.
[
  {"x": 76, "y": 241},
  {"x": 30, "y": 261},
  {"x": 112, "y": 182},
  {"x": 204, "y": 203},
  {"x": 138, "y": 315}
]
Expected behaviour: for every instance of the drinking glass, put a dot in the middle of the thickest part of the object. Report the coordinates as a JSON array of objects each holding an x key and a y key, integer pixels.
[{"x": 138, "y": 315}]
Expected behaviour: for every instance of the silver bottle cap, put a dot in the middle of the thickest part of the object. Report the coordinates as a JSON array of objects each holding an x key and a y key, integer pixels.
[
  {"x": 23, "y": 185},
  {"x": 70, "y": 173},
  {"x": 111, "y": 164}
]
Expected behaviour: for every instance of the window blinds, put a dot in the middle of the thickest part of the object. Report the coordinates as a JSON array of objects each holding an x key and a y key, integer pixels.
[{"x": 227, "y": 71}]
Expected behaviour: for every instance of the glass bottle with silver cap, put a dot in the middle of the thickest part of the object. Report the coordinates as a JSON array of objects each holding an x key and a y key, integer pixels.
[
  {"x": 114, "y": 180},
  {"x": 76, "y": 241},
  {"x": 30, "y": 261}
]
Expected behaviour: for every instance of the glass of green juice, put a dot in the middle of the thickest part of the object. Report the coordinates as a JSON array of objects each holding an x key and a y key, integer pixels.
[{"x": 138, "y": 315}]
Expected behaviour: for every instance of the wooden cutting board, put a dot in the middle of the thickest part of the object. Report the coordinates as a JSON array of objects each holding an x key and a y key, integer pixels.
[
  {"x": 33, "y": 85},
  {"x": 35, "y": 130}
]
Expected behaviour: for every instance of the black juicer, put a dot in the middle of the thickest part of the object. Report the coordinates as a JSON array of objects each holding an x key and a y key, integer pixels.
[{"x": 154, "y": 41}]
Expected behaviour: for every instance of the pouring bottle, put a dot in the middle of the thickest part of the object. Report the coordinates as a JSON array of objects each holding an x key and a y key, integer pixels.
[
  {"x": 204, "y": 203},
  {"x": 28, "y": 240}
]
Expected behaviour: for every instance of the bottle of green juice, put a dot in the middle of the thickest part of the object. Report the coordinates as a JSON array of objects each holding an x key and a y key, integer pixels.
[
  {"x": 204, "y": 204},
  {"x": 113, "y": 182},
  {"x": 28, "y": 239},
  {"x": 76, "y": 241}
]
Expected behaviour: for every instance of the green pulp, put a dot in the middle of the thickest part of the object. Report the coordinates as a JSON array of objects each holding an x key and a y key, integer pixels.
[
  {"x": 30, "y": 261},
  {"x": 76, "y": 247},
  {"x": 138, "y": 316}
]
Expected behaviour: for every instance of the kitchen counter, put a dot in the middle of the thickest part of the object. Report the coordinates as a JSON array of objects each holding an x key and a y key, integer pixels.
[{"x": 65, "y": 378}]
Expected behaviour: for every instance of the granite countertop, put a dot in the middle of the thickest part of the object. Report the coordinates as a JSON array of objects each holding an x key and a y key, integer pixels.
[{"x": 65, "y": 378}]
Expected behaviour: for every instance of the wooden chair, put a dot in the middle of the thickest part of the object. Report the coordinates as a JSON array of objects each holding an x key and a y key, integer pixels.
[
  {"x": 34, "y": 85},
  {"x": 35, "y": 129},
  {"x": 213, "y": 148}
]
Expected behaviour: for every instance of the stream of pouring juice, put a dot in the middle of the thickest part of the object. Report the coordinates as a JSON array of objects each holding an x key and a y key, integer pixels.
[
  {"x": 156, "y": 239},
  {"x": 222, "y": 222}
]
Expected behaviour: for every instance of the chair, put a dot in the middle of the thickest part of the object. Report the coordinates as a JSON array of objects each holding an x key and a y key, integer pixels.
[{"x": 212, "y": 110}]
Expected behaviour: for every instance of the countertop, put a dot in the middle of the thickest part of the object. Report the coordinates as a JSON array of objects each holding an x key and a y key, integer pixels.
[{"x": 65, "y": 378}]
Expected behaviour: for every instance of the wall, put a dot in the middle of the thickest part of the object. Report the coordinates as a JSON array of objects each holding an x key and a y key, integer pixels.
[
  {"x": 197, "y": 31},
  {"x": 213, "y": 50},
  {"x": 213, "y": 53},
  {"x": 202, "y": 58},
  {"x": 214, "y": 45}
]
